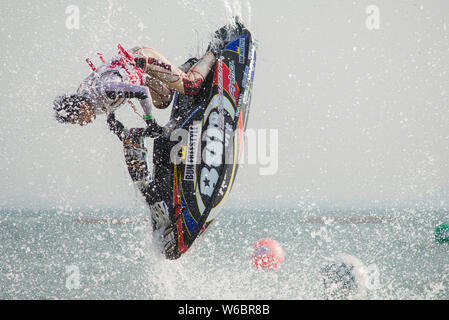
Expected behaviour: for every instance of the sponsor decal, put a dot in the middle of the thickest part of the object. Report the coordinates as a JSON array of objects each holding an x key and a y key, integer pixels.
[
  {"x": 222, "y": 78},
  {"x": 231, "y": 78},
  {"x": 239, "y": 105},
  {"x": 245, "y": 77},
  {"x": 253, "y": 67},
  {"x": 125, "y": 94},
  {"x": 158, "y": 63},
  {"x": 220, "y": 94},
  {"x": 192, "y": 152},
  {"x": 242, "y": 50},
  {"x": 213, "y": 157}
]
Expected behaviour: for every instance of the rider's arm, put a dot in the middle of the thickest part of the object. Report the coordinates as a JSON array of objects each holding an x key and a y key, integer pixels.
[{"x": 116, "y": 90}]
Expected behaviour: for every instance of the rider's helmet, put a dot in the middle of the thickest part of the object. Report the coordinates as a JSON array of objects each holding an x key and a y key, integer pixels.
[{"x": 68, "y": 107}]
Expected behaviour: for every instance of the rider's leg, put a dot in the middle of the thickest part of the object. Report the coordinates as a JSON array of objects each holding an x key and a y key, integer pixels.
[
  {"x": 161, "y": 94},
  {"x": 159, "y": 67}
]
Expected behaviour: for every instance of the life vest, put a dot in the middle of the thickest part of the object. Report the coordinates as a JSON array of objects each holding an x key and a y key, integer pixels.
[
  {"x": 126, "y": 63},
  {"x": 121, "y": 68}
]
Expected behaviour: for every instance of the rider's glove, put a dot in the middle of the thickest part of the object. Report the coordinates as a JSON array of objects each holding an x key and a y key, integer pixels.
[
  {"x": 115, "y": 125},
  {"x": 190, "y": 63},
  {"x": 153, "y": 130}
]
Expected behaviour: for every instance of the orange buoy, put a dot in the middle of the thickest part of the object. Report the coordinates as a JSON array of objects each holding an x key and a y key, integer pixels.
[{"x": 267, "y": 254}]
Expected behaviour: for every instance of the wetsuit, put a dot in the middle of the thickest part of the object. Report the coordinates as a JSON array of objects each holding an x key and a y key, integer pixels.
[
  {"x": 166, "y": 77},
  {"x": 146, "y": 75}
]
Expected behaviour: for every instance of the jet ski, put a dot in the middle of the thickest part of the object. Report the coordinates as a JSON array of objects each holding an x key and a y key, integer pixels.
[{"x": 193, "y": 170}]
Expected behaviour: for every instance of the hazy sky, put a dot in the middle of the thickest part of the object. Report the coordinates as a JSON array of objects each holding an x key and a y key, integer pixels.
[{"x": 362, "y": 115}]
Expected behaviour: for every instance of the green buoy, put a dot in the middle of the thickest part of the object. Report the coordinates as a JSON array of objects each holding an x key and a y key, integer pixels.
[{"x": 442, "y": 233}]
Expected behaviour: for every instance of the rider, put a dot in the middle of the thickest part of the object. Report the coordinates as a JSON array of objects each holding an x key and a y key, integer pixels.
[{"x": 144, "y": 74}]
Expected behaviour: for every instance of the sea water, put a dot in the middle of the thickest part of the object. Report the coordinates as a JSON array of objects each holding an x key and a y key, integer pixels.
[{"x": 110, "y": 254}]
